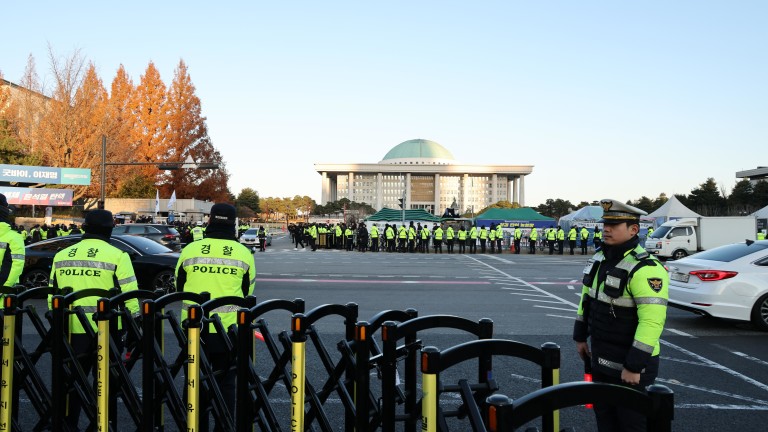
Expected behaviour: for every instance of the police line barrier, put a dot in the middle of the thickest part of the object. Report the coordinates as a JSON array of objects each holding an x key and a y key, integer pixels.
[
  {"x": 506, "y": 414},
  {"x": 473, "y": 396},
  {"x": 155, "y": 401}
]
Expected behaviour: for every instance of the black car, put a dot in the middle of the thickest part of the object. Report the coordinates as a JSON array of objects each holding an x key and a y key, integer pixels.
[
  {"x": 166, "y": 235},
  {"x": 153, "y": 263}
]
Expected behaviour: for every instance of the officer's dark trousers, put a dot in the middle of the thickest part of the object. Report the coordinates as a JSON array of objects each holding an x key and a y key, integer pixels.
[
  {"x": 375, "y": 244},
  {"x": 449, "y": 243},
  {"x": 611, "y": 418},
  {"x": 517, "y": 246},
  {"x": 533, "y": 246},
  {"x": 493, "y": 245},
  {"x": 551, "y": 246},
  {"x": 583, "y": 247},
  {"x": 560, "y": 246},
  {"x": 572, "y": 244},
  {"x": 349, "y": 244},
  {"x": 482, "y": 245},
  {"x": 462, "y": 246},
  {"x": 472, "y": 245},
  {"x": 438, "y": 246},
  {"x": 299, "y": 241}
]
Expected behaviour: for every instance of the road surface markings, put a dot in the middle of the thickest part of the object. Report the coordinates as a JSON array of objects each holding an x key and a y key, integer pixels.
[
  {"x": 716, "y": 365},
  {"x": 368, "y": 281},
  {"x": 550, "y": 307},
  {"x": 681, "y": 333},
  {"x": 713, "y": 391},
  {"x": 560, "y": 316}
]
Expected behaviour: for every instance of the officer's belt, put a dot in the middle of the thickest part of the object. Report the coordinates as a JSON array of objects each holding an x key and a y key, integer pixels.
[
  {"x": 612, "y": 364},
  {"x": 17, "y": 257}
]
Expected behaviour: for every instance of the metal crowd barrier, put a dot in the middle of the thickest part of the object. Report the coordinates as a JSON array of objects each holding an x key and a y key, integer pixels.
[
  {"x": 152, "y": 399},
  {"x": 506, "y": 414},
  {"x": 473, "y": 396}
]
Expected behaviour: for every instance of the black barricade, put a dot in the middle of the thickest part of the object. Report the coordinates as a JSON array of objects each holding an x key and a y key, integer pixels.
[
  {"x": 473, "y": 396},
  {"x": 408, "y": 330},
  {"x": 508, "y": 415}
]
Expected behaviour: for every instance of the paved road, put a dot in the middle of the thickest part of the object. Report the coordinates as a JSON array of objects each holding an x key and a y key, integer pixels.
[{"x": 718, "y": 369}]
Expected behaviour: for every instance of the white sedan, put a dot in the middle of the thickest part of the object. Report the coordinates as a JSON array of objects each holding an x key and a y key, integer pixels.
[
  {"x": 250, "y": 238},
  {"x": 729, "y": 282}
]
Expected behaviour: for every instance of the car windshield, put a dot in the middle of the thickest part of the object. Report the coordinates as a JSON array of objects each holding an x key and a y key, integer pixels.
[
  {"x": 252, "y": 231},
  {"x": 661, "y": 232},
  {"x": 730, "y": 252},
  {"x": 145, "y": 245}
]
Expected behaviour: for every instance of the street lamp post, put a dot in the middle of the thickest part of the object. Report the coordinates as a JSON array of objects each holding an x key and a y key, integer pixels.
[{"x": 161, "y": 165}]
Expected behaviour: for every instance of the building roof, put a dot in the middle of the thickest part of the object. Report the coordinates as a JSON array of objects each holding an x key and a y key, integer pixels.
[
  {"x": 418, "y": 149},
  {"x": 388, "y": 214},
  {"x": 516, "y": 214}
]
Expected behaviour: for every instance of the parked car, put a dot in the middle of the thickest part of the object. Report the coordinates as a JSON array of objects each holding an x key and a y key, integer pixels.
[
  {"x": 729, "y": 282},
  {"x": 166, "y": 235},
  {"x": 250, "y": 238},
  {"x": 153, "y": 263}
]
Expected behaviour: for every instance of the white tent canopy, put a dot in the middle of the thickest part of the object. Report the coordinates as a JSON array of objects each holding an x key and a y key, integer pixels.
[
  {"x": 762, "y": 213},
  {"x": 672, "y": 209}
]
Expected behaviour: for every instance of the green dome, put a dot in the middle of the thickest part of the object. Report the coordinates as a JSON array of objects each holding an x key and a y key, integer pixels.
[{"x": 418, "y": 149}]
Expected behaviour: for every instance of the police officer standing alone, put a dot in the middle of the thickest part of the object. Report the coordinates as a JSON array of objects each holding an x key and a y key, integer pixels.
[
  {"x": 223, "y": 267},
  {"x": 12, "y": 250},
  {"x": 90, "y": 263},
  {"x": 623, "y": 309}
]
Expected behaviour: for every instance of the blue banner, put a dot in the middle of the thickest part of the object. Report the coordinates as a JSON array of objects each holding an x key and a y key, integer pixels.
[
  {"x": 37, "y": 196},
  {"x": 48, "y": 175}
]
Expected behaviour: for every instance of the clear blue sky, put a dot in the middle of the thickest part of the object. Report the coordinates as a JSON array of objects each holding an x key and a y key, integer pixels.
[{"x": 604, "y": 98}]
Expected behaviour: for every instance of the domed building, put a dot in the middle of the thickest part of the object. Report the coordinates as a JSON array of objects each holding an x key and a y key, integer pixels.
[{"x": 426, "y": 176}]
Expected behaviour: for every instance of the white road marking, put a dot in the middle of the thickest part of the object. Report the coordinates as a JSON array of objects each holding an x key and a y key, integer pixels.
[
  {"x": 534, "y": 295},
  {"x": 690, "y": 362},
  {"x": 525, "y": 378},
  {"x": 542, "y": 301},
  {"x": 681, "y": 333},
  {"x": 748, "y": 357},
  {"x": 525, "y": 283},
  {"x": 717, "y": 365},
  {"x": 570, "y": 287},
  {"x": 712, "y": 391},
  {"x": 550, "y": 307},
  {"x": 723, "y": 407},
  {"x": 518, "y": 289},
  {"x": 560, "y": 316}
]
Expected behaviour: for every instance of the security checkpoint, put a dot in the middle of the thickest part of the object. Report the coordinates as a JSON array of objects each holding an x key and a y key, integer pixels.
[{"x": 153, "y": 371}]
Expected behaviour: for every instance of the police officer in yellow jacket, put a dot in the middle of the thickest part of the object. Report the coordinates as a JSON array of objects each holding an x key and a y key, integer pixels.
[
  {"x": 223, "y": 267},
  {"x": 91, "y": 263},
  {"x": 622, "y": 311},
  {"x": 12, "y": 250}
]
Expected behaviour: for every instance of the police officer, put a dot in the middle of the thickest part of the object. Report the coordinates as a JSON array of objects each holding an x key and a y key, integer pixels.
[
  {"x": 532, "y": 237},
  {"x": 437, "y": 235},
  {"x": 197, "y": 231},
  {"x": 517, "y": 234},
  {"x": 473, "y": 239},
  {"x": 12, "y": 250},
  {"x": 499, "y": 237},
  {"x": 483, "y": 237},
  {"x": 623, "y": 308},
  {"x": 551, "y": 237},
  {"x": 462, "y": 234},
  {"x": 262, "y": 238},
  {"x": 374, "y": 238},
  {"x": 223, "y": 267},
  {"x": 572, "y": 234},
  {"x": 584, "y": 235},
  {"x": 560, "y": 239},
  {"x": 91, "y": 263}
]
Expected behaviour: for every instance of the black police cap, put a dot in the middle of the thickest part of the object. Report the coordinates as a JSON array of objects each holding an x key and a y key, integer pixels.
[
  {"x": 223, "y": 214},
  {"x": 98, "y": 219}
]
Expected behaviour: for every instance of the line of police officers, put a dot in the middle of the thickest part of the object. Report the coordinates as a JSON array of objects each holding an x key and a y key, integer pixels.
[{"x": 421, "y": 238}]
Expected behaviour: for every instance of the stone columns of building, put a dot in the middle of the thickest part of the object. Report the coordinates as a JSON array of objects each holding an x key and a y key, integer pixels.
[
  {"x": 379, "y": 191},
  {"x": 494, "y": 189},
  {"x": 515, "y": 195},
  {"x": 436, "y": 210},
  {"x": 351, "y": 186},
  {"x": 407, "y": 203},
  {"x": 333, "y": 185},
  {"x": 326, "y": 192},
  {"x": 464, "y": 193},
  {"x": 522, "y": 191},
  {"x": 510, "y": 188}
]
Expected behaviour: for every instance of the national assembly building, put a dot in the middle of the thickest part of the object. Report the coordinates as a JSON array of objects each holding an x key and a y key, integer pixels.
[{"x": 426, "y": 176}]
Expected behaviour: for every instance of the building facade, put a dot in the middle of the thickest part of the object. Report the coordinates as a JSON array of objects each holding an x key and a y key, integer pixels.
[{"x": 426, "y": 176}]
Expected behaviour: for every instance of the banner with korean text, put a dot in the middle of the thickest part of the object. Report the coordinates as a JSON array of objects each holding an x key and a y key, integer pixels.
[
  {"x": 47, "y": 175},
  {"x": 37, "y": 196}
]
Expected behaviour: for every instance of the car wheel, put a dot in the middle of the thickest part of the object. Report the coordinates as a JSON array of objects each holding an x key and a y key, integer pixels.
[
  {"x": 165, "y": 280},
  {"x": 35, "y": 278},
  {"x": 760, "y": 313},
  {"x": 679, "y": 254}
]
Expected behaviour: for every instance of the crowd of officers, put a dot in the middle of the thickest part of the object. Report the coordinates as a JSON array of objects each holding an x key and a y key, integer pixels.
[{"x": 421, "y": 238}]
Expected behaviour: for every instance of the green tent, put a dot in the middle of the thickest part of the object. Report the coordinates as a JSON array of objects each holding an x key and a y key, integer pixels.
[
  {"x": 509, "y": 214},
  {"x": 387, "y": 214}
]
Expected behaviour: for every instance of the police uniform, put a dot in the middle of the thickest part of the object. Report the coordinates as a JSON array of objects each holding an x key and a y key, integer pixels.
[
  {"x": 12, "y": 250},
  {"x": 197, "y": 232},
  {"x": 622, "y": 311},
  {"x": 223, "y": 267},
  {"x": 91, "y": 263}
]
